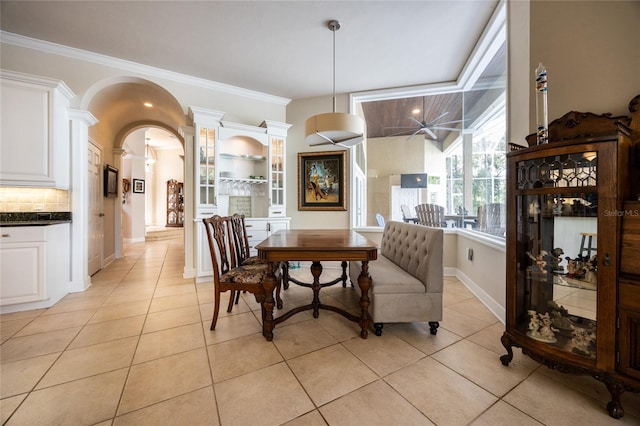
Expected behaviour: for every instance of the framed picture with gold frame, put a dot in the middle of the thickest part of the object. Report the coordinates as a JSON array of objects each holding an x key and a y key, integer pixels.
[{"x": 322, "y": 180}]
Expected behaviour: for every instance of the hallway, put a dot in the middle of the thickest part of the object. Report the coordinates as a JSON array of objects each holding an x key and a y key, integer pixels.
[{"x": 136, "y": 349}]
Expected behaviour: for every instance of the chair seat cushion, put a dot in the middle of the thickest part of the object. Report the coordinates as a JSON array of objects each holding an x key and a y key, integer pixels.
[
  {"x": 253, "y": 260},
  {"x": 246, "y": 274}
]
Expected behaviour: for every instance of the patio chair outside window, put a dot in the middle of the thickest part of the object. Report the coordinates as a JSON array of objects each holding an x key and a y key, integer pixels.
[{"x": 431, "y": 215}]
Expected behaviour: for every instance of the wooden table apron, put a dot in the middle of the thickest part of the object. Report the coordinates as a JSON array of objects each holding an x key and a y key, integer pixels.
[{"x": 317, "y": 246}]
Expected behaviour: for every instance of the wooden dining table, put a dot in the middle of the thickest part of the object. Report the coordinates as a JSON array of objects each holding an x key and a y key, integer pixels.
[{"x": 317, "y": 246}]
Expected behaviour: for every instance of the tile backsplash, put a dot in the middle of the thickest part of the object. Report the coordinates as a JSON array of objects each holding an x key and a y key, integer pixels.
[{"x": 15, "y": 199}]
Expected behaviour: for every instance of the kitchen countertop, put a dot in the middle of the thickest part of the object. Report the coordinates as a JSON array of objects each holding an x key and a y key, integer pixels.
[
  {"x": 34, "y": 218},
  {"x": 33, "y": 223}
]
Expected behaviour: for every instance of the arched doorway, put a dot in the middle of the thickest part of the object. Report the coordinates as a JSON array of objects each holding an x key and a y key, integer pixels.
[
  {"x": 155, "y": 156},
  {"x": 123, "y": 106}
]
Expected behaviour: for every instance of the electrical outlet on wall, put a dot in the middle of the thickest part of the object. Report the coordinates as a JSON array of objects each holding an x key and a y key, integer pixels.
[{"x": 470, "y": 254}]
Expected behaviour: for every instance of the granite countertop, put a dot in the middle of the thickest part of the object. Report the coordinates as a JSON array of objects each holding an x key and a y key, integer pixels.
[{"x": 34, "y": 218}]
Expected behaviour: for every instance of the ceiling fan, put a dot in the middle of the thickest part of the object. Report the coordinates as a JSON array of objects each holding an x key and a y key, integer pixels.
[{"x": 426, "y": 127}]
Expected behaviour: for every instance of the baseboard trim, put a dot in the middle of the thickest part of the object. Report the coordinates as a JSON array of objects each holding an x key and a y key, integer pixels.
[
  {"x": 79, "y": 286},
  {"x": 188, "y": 273},
  {"x": 491, "y": 304}
]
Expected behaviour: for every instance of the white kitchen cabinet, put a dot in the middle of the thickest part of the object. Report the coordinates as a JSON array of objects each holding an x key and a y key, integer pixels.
[
  {"x": 34, "y": 127},
  {"x": 260, "y": 228},
  {"x": 34, "y": 266}
]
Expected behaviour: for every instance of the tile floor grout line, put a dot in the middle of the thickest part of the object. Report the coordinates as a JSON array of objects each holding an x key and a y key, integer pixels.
[
  {"x": 488, "y": 329},
  {"x": 133, "y": 355},
  {"x": 384, "y": 379},
  {"x": 209, "y": 364}
]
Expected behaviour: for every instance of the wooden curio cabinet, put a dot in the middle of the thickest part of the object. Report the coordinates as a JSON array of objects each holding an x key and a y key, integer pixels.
[
  {"x": 175, "y": 203},
  {"x": 568, "y": 304}
]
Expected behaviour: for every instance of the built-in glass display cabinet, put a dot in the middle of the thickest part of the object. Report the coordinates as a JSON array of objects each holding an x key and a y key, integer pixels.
[
  {"x": 239, "y": 168},
  {"x": 563, "y": 241}
]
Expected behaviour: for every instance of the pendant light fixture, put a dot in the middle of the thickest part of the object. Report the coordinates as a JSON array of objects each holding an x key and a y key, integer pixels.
[{"x": 334, "y": 128}]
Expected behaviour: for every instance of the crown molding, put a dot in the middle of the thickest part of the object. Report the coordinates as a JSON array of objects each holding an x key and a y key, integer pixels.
[
  {"x": 96, "y": 58},
  {"x": 21, "y": 77}
]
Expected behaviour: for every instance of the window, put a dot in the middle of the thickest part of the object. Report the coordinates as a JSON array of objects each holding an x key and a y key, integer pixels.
[
  {"x": 479, "y": 194},
  {"x": 489, "y": 163},
  {"x": 455, "y": 183},
  {"x": 460, "y": 142}
]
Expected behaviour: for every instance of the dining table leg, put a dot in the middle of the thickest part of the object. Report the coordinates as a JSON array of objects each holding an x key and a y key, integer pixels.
[
  {"x": 316, "y": 270},
  {"x": 364, "y": 282},
  {"x": 269, "y": 284},
  {"x": 344, "y": 273}
]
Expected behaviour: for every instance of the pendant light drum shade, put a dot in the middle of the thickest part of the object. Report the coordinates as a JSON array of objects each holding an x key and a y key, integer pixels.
[{"x": 334, "y": 128}]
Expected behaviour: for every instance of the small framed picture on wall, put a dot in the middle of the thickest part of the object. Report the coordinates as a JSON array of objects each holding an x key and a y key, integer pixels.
[
  {"x": 110, "y": 181},
  {"x": 138, "y": 186}
]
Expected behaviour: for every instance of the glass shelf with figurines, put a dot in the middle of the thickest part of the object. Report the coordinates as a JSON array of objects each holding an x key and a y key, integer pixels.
[{"x": 559, "y": 328}]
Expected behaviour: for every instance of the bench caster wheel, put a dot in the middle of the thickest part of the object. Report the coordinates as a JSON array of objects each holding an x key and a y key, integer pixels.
[
  {"x": 377, "y": 328},
  {"x": 433, "y": 327}
]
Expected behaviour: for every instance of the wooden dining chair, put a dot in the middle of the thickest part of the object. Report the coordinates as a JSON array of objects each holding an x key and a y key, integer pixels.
[
  {"x": 242, "y": 254},
  {"x": 241, "y": 242},
  {"x": 430, "y": 215},
  {"x": 227, "y": 276}
]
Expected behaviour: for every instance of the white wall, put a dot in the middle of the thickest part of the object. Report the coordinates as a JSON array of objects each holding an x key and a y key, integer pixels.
[
  {"x": 388, "y": 158},
  {"x": 591, "y": 50},
  {"x": 297, "y": 112},
  {"x": 518, "y": 74},
  {"x": 485, "y": 274}
]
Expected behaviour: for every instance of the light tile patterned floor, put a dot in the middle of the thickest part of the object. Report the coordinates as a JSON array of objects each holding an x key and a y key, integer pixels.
[{"x": 135, "y": 349}]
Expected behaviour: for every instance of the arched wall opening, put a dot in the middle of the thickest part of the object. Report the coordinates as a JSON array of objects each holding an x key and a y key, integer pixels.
[
  {"x": 124, "y": 106},
  {"x": 151, "y": 157}
]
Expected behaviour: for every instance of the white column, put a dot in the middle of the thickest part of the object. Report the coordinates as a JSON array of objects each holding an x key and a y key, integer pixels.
[
  {"x": 188, "y": 134},
  {"x": 138, "y": 200},
  {"x": 117, "y": 159},
  {"x": 79, "y": 188},
  {"x": 135, "y": 142},
  {"x": 467, "y": 166}
]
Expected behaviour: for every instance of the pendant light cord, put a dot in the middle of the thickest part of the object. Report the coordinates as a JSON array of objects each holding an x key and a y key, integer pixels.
[{"x": 334, "y": 29}]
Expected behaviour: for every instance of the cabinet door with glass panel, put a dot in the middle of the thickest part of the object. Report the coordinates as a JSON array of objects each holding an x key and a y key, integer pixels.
[
  {"x": 207, "y": 126},
  {"x": 277, "y": 178},
  {"x": 561, "y": 276},
  {"x": 206, "y": 167}
]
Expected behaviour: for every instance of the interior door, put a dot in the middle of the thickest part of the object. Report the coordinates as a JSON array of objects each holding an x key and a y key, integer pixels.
[{"x": 96, "y": 233}]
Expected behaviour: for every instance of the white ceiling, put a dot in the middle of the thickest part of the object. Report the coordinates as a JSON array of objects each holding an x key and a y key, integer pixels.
[
  {"x": 161, "y": 139},
  {"x": 281, "y": 48}
]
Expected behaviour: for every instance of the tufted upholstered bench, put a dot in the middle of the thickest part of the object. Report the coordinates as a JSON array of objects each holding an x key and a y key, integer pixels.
[{"x": 407, "y": 277}]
